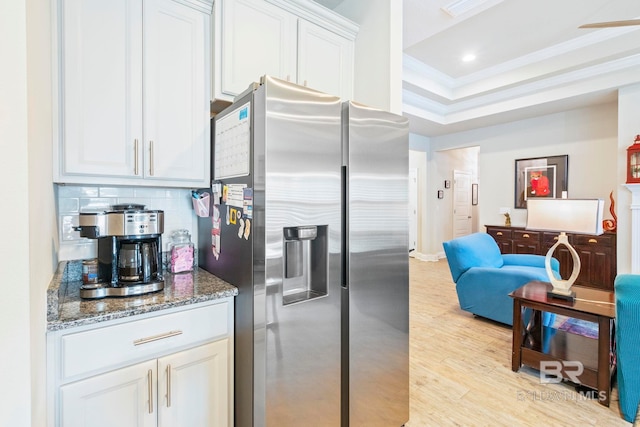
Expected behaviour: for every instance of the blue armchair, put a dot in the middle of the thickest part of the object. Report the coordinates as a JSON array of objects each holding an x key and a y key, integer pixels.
[
  {"x": 484, "y": 277},
  {"x": 627, "y": 290}
]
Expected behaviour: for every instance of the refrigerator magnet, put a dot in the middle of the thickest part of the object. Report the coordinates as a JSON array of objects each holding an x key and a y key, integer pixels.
[
  {"x": 247, "y": 202},
  {"x": 241, "y": 228},
  {"x": 215, "y": 242},
  {"x": 233, "y": 216},
  {"x": 247, "y": 229}
]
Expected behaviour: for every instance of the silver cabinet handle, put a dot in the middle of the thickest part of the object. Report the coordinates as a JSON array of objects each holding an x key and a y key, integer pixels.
[
  {"x": 135, "y": 156},
  {"x": 168, "y": 386},
  {"x": 150, "y": 389},
  {"x": 157, "y": 337},
  {"x": 526, "y": 236},
  {"x": 151, "y": 158},
  {"x": 499, "y": 233}
]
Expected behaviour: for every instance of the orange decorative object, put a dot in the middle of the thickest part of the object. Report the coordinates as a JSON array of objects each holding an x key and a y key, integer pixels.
[
  {"x": 633, "y": 162},
  {"x": 611, "y": 224}
]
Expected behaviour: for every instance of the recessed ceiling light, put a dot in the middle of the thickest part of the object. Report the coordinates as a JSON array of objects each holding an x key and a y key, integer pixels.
[{"x": 469, "y": 57}]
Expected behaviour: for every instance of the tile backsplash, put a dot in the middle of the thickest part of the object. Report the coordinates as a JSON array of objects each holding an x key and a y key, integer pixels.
[{"x": 71, "y": 200}]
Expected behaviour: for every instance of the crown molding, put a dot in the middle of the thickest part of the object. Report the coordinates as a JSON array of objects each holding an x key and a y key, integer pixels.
[
  {"x": 594, "y": 79},
  {"x": 545, "y": 54},
  {"x": 431, "y": 80},
  {"x": 205, "y": 6},
  {"x": 316, "y": 13}
]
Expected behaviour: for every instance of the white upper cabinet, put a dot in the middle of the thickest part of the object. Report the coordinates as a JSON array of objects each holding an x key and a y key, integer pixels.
[
  {"x": 325, "y": 60},
  {"x": 294, "y": 40},
  {"x": 132, "y": 91},
  {"x": 176, "y": 92},
  {"x": 258, "y": 38},
  {"x": 100, "y": 86}
]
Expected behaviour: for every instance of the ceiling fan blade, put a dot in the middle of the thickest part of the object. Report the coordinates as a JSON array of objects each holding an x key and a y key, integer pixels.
[{"x": 626, "y": 23}]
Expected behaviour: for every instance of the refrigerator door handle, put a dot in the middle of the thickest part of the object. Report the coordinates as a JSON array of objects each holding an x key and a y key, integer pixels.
[{"x": 344, "y": 246}]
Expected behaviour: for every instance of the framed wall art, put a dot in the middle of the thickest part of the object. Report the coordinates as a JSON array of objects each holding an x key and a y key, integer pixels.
[
  {"x": 540, "y": 177},
  {"x": 474, "y": 194}
]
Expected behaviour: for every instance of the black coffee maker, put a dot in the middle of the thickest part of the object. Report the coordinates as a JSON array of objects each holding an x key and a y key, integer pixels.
[{"x": 129, "y": 250}]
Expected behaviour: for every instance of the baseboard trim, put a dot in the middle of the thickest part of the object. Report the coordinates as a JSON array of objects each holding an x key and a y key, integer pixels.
[{"x": 427, "y": 257}]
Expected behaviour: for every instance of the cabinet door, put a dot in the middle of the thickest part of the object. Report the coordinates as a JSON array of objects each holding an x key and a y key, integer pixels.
[
  {"x": 176, "y": 92},
  {"x": 503, "y": 238},
  {"x": 124, "y": 398},
  {"x": 193, "y": 387},
  {"x": 325, "y": 60},
  {"x": 597, "y": 260},
  {"x": 257, "y": 38},
  {"x": 526, "y": 242},
  {"x": 101, "y": 87}
]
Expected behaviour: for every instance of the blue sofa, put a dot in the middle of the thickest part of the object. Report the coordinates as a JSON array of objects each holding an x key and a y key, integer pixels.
[
  {"x": 484, "y": 277},
  {"x": 627, "y": 291}
]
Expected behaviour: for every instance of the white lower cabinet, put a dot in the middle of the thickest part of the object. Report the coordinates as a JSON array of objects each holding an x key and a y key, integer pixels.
[
  {"x": 188, "y": 388},
  {"x": 192, "y": 387},
  {"x": 124, "y": 397},
  {"x": 167, "y": 370}
]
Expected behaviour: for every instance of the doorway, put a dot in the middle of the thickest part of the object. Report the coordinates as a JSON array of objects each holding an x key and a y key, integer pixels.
[
  {"x": 413, "y": 209},
  {"x": 462, "y": 215}
]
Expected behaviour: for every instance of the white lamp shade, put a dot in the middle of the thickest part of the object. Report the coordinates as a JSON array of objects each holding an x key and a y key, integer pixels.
[
  {"x": 582, "y": 216},
  {"x": 569, "y": 215}
]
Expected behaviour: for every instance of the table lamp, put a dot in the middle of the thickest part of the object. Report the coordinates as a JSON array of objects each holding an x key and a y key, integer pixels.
[{"x": 582, "y": 216}]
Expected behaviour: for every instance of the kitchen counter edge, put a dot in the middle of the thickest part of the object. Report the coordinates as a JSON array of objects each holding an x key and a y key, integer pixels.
[{"x": 65, "y": 308}]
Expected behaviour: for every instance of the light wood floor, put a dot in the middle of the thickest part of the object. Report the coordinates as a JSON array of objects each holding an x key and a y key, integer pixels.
[{"x": 461, "y": 368}]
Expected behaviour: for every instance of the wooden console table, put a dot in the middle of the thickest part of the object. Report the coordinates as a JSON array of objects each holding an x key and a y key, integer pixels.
[
  {"x": 597, "y": 253},
  {"x": 534, "y": 343}
]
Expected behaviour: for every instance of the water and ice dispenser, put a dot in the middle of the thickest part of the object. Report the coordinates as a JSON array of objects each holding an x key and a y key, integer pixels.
[{"x": 305, "y": 263}]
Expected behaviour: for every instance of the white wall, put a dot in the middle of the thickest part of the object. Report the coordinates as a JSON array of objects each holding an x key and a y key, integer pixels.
[
  {"x": 42, "y": 221},
  {"x": 378, "y": 52},
  {"x": 588, "y": 136},
  {"x": 15, "y": 375},
  {"x": 444, "y": 163}
]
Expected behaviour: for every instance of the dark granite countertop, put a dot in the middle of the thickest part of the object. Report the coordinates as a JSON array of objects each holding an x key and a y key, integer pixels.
[{"x": 65, "y": 308}]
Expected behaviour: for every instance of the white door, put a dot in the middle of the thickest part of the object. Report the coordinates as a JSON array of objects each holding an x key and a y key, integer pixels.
[
  {"x": 461, "y": 203},
  {"x": 176, "y": 92},
  {"x": 101, "y": 87},
  {"x": 193, "y": 387},
  {"x": 258, "y": 38},
  {"x": 325, "y": 60},
  {"x": 125, "y": 398},
  {"x": 413, "y": 209}
]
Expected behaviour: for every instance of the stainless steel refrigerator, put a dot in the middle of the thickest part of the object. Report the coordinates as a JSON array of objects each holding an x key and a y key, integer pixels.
[{"x": 309, "y": 219}]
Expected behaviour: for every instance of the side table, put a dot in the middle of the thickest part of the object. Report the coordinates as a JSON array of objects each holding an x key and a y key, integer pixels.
[{"x": 534, "y": 343}]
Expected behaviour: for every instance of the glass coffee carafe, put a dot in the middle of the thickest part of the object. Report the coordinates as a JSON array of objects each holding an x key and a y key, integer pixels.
[{"x": 138, "y": 261}]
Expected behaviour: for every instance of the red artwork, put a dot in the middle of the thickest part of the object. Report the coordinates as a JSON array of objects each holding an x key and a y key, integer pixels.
[{"x": 539, "y": 184}]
